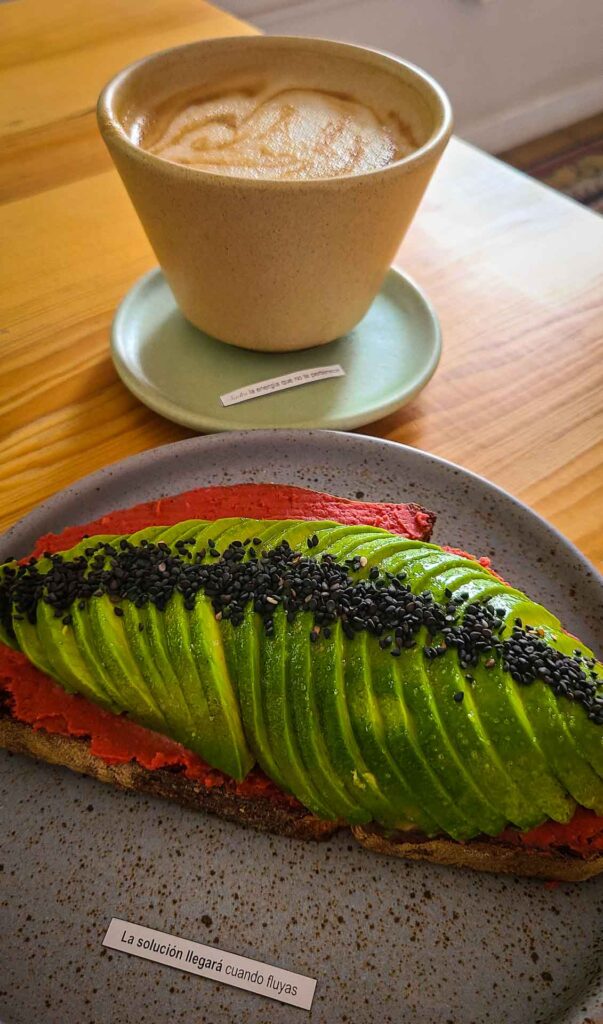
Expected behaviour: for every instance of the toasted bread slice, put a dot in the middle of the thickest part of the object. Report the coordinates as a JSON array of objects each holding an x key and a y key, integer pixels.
[
  {"x": 262, "y": 811},
  {"x": 483, "y": 855},
  {"x": 266, "y": 815},
  {"x": 259, "y": 812}
]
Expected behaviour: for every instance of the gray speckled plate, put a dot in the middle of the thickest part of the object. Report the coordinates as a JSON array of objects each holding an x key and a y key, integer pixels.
[{"x": 388, "y": 941}]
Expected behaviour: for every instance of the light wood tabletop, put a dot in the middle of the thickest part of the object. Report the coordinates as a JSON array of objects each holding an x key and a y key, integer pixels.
[{"x": 514, "y": 270}]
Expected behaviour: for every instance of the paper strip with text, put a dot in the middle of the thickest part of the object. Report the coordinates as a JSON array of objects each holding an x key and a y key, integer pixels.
[
  {"x": 209, "y": 962},
  {"x": 288, "y": 380}
]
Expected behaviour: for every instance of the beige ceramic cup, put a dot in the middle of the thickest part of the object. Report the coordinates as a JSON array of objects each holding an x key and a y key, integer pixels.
[{"x": 275, "y": 265}]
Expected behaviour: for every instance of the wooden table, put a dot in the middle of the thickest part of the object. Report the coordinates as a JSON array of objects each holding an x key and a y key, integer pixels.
[{"x": 515, "y": 271}]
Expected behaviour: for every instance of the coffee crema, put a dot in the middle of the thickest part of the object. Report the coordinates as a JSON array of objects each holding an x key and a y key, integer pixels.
[{"x": 283, "y": 131}]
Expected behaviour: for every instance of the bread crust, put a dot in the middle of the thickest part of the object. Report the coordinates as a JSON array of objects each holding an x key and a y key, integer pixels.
[
  {"x": 483, "y": 855},
  {"x": 74, "y": 753},
  {"x": 295, "y": 822}
]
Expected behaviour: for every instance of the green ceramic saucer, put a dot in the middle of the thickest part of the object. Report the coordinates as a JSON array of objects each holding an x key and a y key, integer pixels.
[{"x": 180, "y": 372}]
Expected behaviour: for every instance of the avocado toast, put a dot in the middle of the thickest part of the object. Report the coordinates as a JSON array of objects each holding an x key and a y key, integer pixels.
[{"x": 313, "y": 669}]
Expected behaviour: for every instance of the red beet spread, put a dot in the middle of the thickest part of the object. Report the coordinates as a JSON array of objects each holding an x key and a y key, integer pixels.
[
  {"x": 39, "y": 701},
  {"x": 583, "y": 834},
  {"x": 257, "y": 501},
  {"x": 42, "y": 703}
]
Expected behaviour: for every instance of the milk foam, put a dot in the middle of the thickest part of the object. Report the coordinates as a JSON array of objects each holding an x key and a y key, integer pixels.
[{"x": 279, "y": 131}]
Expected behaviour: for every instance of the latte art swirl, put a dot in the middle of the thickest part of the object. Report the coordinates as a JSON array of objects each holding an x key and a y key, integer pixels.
[{"x": 284, "y": 133}]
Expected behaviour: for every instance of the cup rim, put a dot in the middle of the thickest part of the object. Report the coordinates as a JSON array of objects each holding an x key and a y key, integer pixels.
[{"x": 110, "y": 126}]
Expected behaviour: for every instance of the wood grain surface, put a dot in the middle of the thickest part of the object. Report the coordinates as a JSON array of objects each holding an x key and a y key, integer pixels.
[{"x": 515, "y": 271}]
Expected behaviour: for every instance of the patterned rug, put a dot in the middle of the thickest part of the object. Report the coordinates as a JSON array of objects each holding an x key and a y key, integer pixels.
[{"x": 577, "y": 171}]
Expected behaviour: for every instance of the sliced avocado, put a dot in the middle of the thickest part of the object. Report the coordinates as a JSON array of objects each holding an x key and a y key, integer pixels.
[
  {"x": 280, "y": 734},
  {"x": 74, "y": 655},
  {"x": 479, "y": 756},
  {"x": 244, "y": 643},
  {"x": 488, "y": 768},
  {"x": 420, "y": 567},
  {"x": 375, "y": 548},
  {"x": 502, "y": 716},
  {"x": 437, "y": 741},
  {"x": 181, "y": 653},
  {"x": 65, "y": 659},
  {"x": 350, "y": 730},
  {"x": 328, "y": 677},
  {"x": 148, "y": 533},
  {"x": 221, "y": 734},
  {"x": 369, "y": 730},
  {"x": 559, "y": 745},
  {"x": 27, "y": 636},
  {"x": 306, "y": 724},
  {"x": 262, "y": 682},
  {"x": 194, "y": 646},
  {"x": 187, "y": 529},
  {"x": 587, "y": 738},
  {"x": 433, "y": 740},
  {"x": 108, "y": 643},
  {"x": 586, "y": 735},
  {"x": 51, "y": 645},
  {"x": 198, "y": 674},
  {"x": 460, "y": 719},
  {"x": 359, "y": 542},
  {"x": 394, "y": 730},
  {"x": 564, "y": 750},
  {"x": 341, "y": 540},
  {"x": 243, "y": 647},
  {"x": 246, "y": 647},
  {"x": 104, "y": 659},
  {"x": 145, "y": 631},
  {"x": 175, "y": 624},
  {"x": 432, "y": 809}
]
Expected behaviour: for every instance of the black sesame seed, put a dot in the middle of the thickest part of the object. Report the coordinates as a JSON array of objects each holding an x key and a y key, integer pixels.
[{"x": 381, "y": 605}]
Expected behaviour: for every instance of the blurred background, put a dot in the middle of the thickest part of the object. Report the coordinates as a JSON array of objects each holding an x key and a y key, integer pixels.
[{"x": 517, "y": 71}]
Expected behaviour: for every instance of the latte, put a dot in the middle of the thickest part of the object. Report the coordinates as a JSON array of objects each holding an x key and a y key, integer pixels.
[
  {"x": 275, "y": 178},
  {"x": 279, "y": 130}
]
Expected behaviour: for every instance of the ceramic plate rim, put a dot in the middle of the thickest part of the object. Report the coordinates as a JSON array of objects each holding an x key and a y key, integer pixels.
[{"x": 129, "y": 462}]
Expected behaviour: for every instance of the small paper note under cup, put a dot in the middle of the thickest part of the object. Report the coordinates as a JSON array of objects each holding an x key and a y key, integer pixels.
[{"x": 288, "y": 380}]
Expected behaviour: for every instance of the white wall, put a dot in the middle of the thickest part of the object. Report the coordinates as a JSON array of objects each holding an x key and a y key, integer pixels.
[{"x": 514, "y": 69}]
